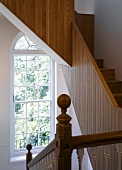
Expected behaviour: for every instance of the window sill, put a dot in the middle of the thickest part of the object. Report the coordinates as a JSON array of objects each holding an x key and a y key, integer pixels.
[
  {"x": 19, "y": 158},
  {"x": 21, "y": 155}
]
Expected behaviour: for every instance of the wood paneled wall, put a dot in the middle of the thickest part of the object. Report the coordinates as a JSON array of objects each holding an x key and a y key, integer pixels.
[
  {"x": 49, "y": 19},
  {"x": 85, "y": 23},
  {"x": 94, "y": 104}
]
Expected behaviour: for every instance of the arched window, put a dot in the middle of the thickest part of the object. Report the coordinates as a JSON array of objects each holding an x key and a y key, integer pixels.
[{"x": 33, "y": 95}]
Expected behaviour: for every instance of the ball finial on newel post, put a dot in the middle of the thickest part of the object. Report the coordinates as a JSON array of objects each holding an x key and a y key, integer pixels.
[{"x": 64, "y": 102}]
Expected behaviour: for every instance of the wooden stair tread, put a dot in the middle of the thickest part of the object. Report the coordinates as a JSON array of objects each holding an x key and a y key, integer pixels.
[
  {"x": 114, "y": 81},
  {"x": 98, "y": 59},
  {"x": 114, "y": 85},
  {"x": 117, "y": 94},
  {"x": 99, "y": 62},
  {"x": 106, "y": 69},
  {"x": 108, "y": 73}
]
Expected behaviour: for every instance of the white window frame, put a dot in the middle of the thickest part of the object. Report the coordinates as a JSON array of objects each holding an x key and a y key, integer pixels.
[{"x": 22, "y": 152}]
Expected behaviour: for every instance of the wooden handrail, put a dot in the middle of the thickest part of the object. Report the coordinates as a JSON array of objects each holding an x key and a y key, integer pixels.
[
  {"x": 93, "y": 140},
  {"x": 43, "y": 153},
  {"x": 110, "y": 95}
]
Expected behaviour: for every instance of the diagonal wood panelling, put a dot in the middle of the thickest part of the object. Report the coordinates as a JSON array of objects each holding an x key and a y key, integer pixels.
[
  {"x": 49, "y": 19},
  {"x": 94, "y": 104}
]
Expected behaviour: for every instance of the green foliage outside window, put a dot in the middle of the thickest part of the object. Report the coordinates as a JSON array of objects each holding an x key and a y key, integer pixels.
[{"x": 31, "y": 87}]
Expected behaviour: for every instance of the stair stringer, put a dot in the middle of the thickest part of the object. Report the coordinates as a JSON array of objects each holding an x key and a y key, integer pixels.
[{"x": 94, "y": 104}]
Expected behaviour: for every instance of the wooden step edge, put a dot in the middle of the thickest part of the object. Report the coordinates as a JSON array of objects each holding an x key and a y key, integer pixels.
[
  {"x": 107, "y": 69},
  {"x": 113, "y": 81},
  {"x": 117, "y": 94},
  {"x": 97, "y": 59}
]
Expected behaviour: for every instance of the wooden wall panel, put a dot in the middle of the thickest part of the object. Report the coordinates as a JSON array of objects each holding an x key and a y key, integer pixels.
[
  {"x": 95, "y": 106},
  {"x": 85, "y": 23},
  {"x": 49, "y": 19}
]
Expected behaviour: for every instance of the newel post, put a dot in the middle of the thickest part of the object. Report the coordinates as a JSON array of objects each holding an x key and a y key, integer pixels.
[
  {"x": 63, "y": 135},
  {"x": 28, "y": 155}
]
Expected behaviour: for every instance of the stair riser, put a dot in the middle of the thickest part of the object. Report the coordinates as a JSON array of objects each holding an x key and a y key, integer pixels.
[
  {"x": 99, "y": 63},
  {"x": 119, "y": 101},
  {"x": 115, "y": 87},
  {"x": 108, "y": 74}
]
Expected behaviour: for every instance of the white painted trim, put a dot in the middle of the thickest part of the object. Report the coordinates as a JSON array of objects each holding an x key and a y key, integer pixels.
[{"x": 22, "y": 27}]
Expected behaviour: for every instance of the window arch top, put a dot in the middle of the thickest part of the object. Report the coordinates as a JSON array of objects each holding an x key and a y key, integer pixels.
[{"x": 24, "y": 43}]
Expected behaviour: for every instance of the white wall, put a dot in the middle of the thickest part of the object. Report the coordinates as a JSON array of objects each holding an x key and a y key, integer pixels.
[
  {"x": 84, "y": 6},
  {"x": 108, "y": 33},
  {"x": 7, "y": 33},
  {"x": 108, "y": 30}
]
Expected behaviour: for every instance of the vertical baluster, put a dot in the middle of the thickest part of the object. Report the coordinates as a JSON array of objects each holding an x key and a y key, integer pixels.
[
  {"x": 107, "y": 153},
  {"x": 119, "y": 151},
  {"x": 45, "y": 163},
  {"x": 94, "y": 155},
  {"x": 49, "y": 161},
  {"x": 42, "y": 163},
  {"x": 80, "y": 153},
  {"x": 54, "y": 160}
]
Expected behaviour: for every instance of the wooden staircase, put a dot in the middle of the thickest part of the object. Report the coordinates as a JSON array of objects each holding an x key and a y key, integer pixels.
[{"x": 114, "y": 85}]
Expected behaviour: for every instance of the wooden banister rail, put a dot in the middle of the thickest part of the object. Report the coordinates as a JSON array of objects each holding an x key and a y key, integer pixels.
[
  {"x": 93, "y": 140},
  {"x": 43, "y": 153}
]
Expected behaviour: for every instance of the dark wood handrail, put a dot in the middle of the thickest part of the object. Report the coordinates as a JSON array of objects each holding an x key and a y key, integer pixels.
[
  {"x": 43, "y": 153},
  {"x": 93, "y": 140}
]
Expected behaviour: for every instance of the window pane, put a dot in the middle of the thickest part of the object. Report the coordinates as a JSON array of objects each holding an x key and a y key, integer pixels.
[
  {"x": 44, "y": 62},
  {"x": 32, "y": 125},
  {"x": 20, "y": 110},
  {"x": 19, "y": 93},
  {"x": 32, "y": 45},
  {"x": 32, "y": 63},
  {"x": 43, "y": 77},
  {"x": 32, "y": 77},
  {"x": 19, "y": 63},
  {"x": 44, "y": 92},
  {"x": 32, "y": 93},
  {"x": 44, "y": 108},
  {"x": 44, "y": 124},
  {"x": 20, "y": 126},
  {"x": 20, "y": 141},
  {"x": 44, "y": 138},
  {"x": 32, "y": 109},
  {"x": 33, "y": 139},
  {"x": 20, "y": 78},
  {"x": 21, "y": 44}
]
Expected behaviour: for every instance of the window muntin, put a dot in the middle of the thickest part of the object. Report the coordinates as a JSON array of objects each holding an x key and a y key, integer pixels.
[
  {"x": 32, "y": 95},
  {"x": 25, "y": 43}
]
